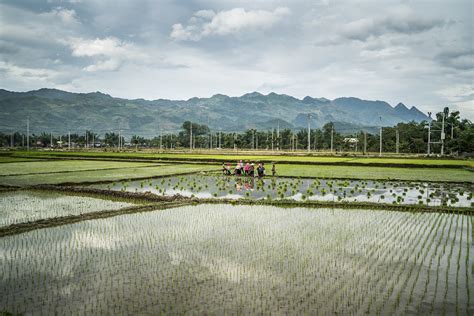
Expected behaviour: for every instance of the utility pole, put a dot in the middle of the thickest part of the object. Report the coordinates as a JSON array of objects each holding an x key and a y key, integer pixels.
[
  {"x": 278, "y": 135},
  {"x": 220, "y": 144},
  {"x": 429, "y": 133},
  {"x": 443, "y": 135},
  {"x": 380, "y": 146},
  {"x": 191, "y": 136},
  {"x": 315, "y": 141},
  {"x": 51, "y": 141},
  {"x": 161, "y": 139},
  {"x": 69, "y": 140},
  {"x": 256, "y": 139},
  {"x": 27, "y": 133},
  {"x": 93, "y": 140},
  {"x": 272, "y": 138},
  {"x": 253, "y": 139},
  {"x": 235, "y": 148},
  {"x": 365, "y": 142},
  {"x": 398, "y": 140},
  {"x": 309, "y": 133},
  {"x": 291, "y": 141},
  {"x": 11, "y": 140},
  {"x": 332, "y": 137},
  {"x": 23, "y": 141}
]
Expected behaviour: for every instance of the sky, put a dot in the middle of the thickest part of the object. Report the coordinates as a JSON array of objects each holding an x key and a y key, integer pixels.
[{"x": 419, "y": 53}]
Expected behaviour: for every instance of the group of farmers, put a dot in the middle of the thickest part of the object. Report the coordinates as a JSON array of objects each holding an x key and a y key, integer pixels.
[{"x": 247, "y": 169}]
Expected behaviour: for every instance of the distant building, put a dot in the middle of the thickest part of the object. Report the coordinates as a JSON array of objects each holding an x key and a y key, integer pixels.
[{"x": 351, "y": 140}]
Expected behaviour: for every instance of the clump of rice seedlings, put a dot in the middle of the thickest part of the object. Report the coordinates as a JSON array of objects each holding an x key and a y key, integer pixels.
[{"x": 27, "y": 206}]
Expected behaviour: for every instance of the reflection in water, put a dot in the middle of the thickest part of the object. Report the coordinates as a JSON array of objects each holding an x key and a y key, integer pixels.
[
  {"x": 243, "y": 260},
  {"x": 231, "y": 187}
]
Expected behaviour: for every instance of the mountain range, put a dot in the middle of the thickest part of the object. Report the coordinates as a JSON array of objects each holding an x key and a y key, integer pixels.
[{"x": 57, "y": 111}]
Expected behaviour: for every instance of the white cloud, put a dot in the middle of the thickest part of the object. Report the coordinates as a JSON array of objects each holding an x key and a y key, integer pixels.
[
  {"x": 64, "y": 15},
  {"x": 400, "y": 19},
  {"x": 28, "y": 74},
  {"x": 109, "y": 53},
  {"x": 458, "y": 93},
  {"x": 371, "y": 49},
  {"x": 206, "y": 22}
]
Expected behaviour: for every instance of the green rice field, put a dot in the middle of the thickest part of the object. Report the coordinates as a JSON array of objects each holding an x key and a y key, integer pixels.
[
  {"x": 261, "y": 156},
  {"x": 134, "y": 233},
  {"x": 212, "y": 259},
  {"x": 26, "y": 206}
]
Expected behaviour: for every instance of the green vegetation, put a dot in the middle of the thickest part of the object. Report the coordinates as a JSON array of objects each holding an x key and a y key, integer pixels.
[
  {"x": 253, "y": 127},
  {"x": 373, "y": 192},
  {"x": 51, "y": 166},
  {"x": 214, "y": 258},
  {"x": 8, "y": 159},
  {"x": 25, "y": 206},
  {"x": 379, "y": 173},
  {"x": 103, "y": 175},
  {"x": 232, "y": 157}
]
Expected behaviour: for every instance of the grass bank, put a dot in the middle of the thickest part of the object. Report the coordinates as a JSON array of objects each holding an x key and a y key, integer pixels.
[
  {"x": 78, "y": 177},
  {"x": 289, "y": 159},
  {"x": 376, "y": 173}
]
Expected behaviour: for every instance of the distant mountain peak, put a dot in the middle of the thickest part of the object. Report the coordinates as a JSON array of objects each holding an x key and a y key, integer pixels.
[
  {"x": 308, "y": 99},
  {"x": 252, "y": 95},
  {"x": 220, "y": 96},
  {"x": 400, "y": 105},
  {"x": 219, "y": 111},
  {"x": 414, "y": 109}
]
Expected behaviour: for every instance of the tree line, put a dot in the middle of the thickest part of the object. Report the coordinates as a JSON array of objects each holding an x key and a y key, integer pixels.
[{"x": 412, "y": 138}]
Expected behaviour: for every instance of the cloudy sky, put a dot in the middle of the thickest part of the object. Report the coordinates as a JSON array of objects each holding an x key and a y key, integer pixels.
[{"x": 416, "y": 52}]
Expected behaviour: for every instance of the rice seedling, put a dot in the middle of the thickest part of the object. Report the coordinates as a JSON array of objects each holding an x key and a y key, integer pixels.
[
  {"x": 26, "y": 206},
  {"x": 222, "y": 259}
]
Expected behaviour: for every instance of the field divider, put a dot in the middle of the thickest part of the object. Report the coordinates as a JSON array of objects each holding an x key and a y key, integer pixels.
[
  {"x": 375, "y": 179},
  {"x": 150, "y": 197},
  {"x": 71, "y": 171},
  {"x": 343, "y": 161},
  {"x": 20, "y": 228}
]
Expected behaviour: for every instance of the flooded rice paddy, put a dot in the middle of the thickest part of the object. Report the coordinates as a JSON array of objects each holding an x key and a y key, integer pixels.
[
  {"x": 218, "y": 259},
  {"x": 230, "y": 187},
  {"x": 26, "y": 206}
]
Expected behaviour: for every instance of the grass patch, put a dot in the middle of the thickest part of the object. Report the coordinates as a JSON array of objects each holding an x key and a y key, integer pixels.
[
  {"x": 7, "y": 159},
  {"x": 429, "y": 162},
  {"x": 51, "y": 166},
  {"x": 377, "y": 173},
  {"x": 102, "y": 175}
]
